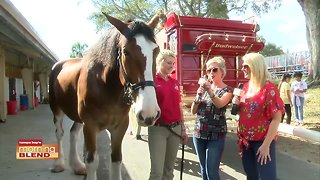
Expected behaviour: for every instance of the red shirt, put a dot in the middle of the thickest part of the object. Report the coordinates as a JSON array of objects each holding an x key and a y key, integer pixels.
[
  {"x": 256, "y": 112},
  {"x": 168, "y": 96}
]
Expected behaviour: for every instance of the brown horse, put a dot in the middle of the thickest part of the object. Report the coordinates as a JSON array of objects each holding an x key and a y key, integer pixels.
[{"x": 96, "y": 92}]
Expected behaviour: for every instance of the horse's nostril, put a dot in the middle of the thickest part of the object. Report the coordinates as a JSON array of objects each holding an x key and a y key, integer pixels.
[
  {"x": 158, "y": 115},
  {"x": 149, "y": 121},
  {"x": 140, "y": 117}
]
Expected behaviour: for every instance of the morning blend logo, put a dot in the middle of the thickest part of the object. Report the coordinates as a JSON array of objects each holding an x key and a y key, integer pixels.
[{"x": 35, "y": 149}]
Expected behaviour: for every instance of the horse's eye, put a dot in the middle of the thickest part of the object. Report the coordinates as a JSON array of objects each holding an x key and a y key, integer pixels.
[{"x": 125, "y": 52}]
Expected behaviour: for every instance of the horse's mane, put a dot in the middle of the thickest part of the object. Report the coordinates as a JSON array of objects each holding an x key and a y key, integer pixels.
[
  {"x": 139, "y": 27},
  {"x": 105, "y": 51}
]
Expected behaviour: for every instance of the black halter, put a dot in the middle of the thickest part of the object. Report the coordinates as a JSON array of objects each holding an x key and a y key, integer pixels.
[{"x": 130, "y": 88}]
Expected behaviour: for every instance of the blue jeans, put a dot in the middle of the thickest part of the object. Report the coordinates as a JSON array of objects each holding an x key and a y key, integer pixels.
[
  {"x": 298, "y": 109},
  {"x": 253, "y": 169},
  {"x": 209, "y": 153}
]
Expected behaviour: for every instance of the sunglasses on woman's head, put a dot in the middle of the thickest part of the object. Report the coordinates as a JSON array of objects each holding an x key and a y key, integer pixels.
[{"x": 212, "y": 70}]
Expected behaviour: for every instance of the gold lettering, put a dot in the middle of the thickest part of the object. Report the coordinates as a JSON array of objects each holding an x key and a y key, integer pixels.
[{"x": 227, "y": 46}]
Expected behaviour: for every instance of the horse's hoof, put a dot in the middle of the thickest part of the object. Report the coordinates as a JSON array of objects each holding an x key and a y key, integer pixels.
[
  {"x": 81, "y": 171},
  {"x": 57, "y": 169}
]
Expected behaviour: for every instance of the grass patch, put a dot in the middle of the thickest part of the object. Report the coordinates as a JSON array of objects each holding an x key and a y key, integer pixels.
[{"x": 312, "y": 104}]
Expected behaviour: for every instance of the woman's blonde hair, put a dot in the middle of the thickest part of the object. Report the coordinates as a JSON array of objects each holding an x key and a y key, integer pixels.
[
  {"x": 259, "y": 71},
  {"x": 165, "y": 53},
  {"x": 220, "y": 62}
]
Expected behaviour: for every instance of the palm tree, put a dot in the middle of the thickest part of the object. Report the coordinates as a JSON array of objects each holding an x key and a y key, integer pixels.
[{"x": 78, "y": 50}]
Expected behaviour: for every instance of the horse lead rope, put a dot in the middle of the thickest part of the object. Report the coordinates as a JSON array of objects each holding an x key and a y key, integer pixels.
[
  {"x": 182, "y": 153},
  {"x": 182, "y": 159}
]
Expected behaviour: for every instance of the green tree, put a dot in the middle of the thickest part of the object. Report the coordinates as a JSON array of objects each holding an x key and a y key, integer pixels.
[
  {"x": 271, "y": 49},
  {"x": 144, "y": 10},
  {"x": 78, "y": 50},
  {"x": 124, "y": 10},
  {"x": 311, "y": 10}
]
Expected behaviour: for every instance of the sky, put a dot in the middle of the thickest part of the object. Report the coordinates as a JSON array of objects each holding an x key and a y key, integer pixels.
[
  {"x": 284, "y": 27},
  {"x": 61, "y": 23}
]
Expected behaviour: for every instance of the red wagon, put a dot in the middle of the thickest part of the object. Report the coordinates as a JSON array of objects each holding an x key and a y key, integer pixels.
[{"x": 197, "y": 39}]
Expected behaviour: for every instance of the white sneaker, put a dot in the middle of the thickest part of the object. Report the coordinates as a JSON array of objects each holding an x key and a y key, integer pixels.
[{"x": 296, "y": 123}]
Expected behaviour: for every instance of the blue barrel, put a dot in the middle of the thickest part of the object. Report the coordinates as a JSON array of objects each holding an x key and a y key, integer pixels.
[{"x": 24, "y": 103}]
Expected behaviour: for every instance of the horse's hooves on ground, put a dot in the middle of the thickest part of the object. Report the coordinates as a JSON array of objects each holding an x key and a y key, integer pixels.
[
  {"x": 80, "y": 172},
  {"x": 57, "y": 169}
]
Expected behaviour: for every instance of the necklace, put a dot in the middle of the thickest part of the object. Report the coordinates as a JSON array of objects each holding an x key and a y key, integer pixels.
[{"x": 165, "y": 77}]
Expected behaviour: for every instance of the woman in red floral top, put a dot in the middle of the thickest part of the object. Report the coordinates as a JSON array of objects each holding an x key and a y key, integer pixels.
[{"x": 260, "y": 112}]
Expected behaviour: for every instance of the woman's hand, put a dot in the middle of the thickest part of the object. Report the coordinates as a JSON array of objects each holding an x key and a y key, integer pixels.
[
  {"x": 201, "y": 90},
  {"x": 206, "y": 86},
  {"x": 236, "y": 100},
  {"x": 263, "y": 154},
  {"x": 184, "y": 136}
]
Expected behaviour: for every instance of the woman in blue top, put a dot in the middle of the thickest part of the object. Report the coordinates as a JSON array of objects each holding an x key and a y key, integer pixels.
[{"x": 210, "y": 126}]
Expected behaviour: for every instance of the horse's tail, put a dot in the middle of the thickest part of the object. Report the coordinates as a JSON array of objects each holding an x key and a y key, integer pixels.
[{"x": 52, "y": 79}]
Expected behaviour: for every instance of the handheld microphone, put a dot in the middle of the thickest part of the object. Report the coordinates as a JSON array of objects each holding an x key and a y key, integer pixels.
[
  {"x": 236, "y": 93},
  {"x": 201, "y": 81}
]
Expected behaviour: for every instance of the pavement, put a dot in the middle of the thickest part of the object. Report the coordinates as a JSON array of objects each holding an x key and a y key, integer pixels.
[{"x": 38, "y": 124}]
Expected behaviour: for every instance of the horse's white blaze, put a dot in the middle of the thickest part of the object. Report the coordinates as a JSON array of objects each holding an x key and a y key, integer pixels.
[
  {"x": 146, "y": 101},
  {"x": 147, "y": 48}
]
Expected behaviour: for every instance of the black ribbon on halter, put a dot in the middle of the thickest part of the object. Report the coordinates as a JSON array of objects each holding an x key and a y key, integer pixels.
[{"x": 130, "y": 88}]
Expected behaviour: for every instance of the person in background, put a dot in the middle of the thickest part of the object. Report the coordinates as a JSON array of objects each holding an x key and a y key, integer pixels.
[
  {"x": 210, "y": 125},
  {"x": 285, "y": 94},
  {"x": 298, "y": 88},
  {"x": 260, "y": 112},
  {"x": 135, "y": 128},
  {"x": 165, "y": 136}
]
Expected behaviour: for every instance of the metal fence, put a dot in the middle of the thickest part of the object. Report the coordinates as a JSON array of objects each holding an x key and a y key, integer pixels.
[{"x": 289, "y": 63}]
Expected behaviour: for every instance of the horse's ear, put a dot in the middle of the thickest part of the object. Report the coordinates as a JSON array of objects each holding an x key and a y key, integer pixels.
[
  {"x": 121, "y": 26},
  {"x": 155, "y": 20}
]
